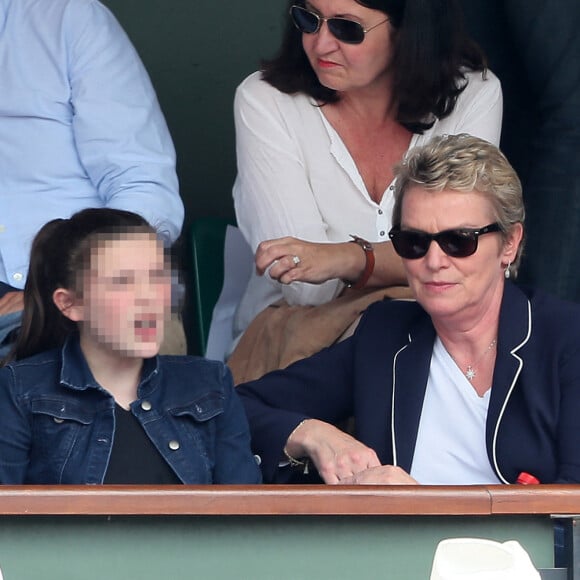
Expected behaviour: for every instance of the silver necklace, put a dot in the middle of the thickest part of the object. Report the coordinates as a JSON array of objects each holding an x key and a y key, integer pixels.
[{"x": 470, "y": 372}]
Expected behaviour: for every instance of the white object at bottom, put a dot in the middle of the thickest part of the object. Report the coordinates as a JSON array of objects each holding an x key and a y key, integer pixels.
[{"x": 480, "y": 559}]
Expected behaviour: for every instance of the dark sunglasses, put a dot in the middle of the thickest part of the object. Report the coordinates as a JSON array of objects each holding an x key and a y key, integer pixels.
[
  {"x": 342, "y": 29},
  {"x": 457, "y": 243}
]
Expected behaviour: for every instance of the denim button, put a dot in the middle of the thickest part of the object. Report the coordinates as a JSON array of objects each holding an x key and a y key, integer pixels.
[
  {"x": 258, "y": 460},
  {"x": 174, "y": 445},
  {"x": 146, "y": 406},
  {"x": 58, "y": 420}
]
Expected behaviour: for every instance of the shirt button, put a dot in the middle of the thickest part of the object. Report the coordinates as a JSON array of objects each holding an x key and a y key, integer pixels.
[
  {"x": 382, "y": 233},
  {"x": 17, "y": 277},
  {"x": 380, "y": 212},
  {"x": 391, "y": 187},
  {"x": 258, "y": 460},
  {"x": 174, "y": 445},
  {"x": 58, "y": 420},
  {"x": 146, "y": 405}
]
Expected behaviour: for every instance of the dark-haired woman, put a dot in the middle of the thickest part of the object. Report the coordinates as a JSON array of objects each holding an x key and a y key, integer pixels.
[{"x": 355, "y": 85}]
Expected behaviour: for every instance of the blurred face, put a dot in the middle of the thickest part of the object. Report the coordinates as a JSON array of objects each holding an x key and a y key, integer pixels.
[
  {"x": 126, "y": 296},
  {"x": 347, "y": 67},
  {"x": 456, "y": 288}
]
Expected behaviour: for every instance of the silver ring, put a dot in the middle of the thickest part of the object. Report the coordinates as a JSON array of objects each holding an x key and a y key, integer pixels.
[{"x": 296, "y": 260}]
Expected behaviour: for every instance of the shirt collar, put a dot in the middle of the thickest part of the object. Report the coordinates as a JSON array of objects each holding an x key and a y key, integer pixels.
[{"x": 76, "y": 374}]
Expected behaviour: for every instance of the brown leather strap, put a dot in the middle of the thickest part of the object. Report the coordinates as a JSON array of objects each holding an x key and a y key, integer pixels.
[{"x": 369, "y": 264}]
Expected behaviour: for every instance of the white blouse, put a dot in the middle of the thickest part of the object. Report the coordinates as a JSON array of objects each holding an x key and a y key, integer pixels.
[{"x": 297, "y": 178}]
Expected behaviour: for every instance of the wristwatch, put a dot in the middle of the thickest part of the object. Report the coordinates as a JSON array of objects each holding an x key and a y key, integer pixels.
[{"x": 369, "y": 264}]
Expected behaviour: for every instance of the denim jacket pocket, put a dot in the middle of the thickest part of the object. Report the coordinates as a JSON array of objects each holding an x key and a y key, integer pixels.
[
  {"x": 202, "y": 409},
  {"x": 195, "y": 427},
  {"x": 61, "y": 411},
  {"x": 57, "y": 426}
]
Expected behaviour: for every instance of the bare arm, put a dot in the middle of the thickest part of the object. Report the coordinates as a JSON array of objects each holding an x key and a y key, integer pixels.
[
  {"x": 321, "y": 262},
  {"x": 11, "y": 302}
]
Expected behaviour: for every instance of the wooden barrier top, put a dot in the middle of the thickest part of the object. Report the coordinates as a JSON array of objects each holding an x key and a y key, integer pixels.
[{"x": 270, "y": 500}]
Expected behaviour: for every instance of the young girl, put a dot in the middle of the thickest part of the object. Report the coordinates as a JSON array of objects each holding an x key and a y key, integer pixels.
[{"x": 85, "y": 397}]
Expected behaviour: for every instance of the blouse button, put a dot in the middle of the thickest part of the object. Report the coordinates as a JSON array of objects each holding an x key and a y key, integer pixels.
[
  {"x": 174, "y": 445},
  {"x": 382, "y": 233},
  {"x": 58, "y": 420},
  {"x": 146, "y": 405}
]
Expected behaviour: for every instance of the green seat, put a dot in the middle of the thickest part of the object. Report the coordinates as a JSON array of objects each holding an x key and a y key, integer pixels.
[{"x": 207, "y": 236}]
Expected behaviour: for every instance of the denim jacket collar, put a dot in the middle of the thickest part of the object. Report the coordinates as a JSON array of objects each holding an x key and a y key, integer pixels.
[{"x": 76, "y": 374}]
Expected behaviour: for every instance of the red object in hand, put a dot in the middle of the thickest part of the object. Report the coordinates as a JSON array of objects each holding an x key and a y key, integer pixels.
[{"x": 527, "y": 479}]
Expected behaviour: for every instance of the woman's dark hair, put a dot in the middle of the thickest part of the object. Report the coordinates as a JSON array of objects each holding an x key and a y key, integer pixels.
[
  {"x": 59, "y": 256},
  {"x": 431, "y": 51}
]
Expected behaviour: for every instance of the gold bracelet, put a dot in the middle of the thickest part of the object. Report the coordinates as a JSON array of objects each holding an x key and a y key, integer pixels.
[{"x": 304, "y": 463}]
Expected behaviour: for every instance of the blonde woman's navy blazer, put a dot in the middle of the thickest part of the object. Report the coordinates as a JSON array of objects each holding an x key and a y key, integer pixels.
[{"x": 379, "y": 377}]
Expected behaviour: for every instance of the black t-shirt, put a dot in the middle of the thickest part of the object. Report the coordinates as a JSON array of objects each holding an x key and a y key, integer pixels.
[{"x": 134, "y": 457}]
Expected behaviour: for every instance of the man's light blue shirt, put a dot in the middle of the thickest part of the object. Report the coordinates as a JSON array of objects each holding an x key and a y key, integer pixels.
[{"x": 80, "y": 126}]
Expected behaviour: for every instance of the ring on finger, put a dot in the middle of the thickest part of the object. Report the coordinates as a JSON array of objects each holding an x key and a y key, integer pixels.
[{"x": 295, "y": 260}]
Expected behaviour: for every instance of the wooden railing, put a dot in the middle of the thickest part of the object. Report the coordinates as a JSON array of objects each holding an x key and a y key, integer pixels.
[{"x": 290, "y": 500}]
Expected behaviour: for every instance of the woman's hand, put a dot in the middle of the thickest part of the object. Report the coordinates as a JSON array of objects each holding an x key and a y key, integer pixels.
[
  {"x": 382, "y": 475},
  {"x": 292, "y": 260},
  {"x": 335, "y": 454}
]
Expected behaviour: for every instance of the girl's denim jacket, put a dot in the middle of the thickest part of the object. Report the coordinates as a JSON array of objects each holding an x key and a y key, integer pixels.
[{"x": 57, "y": 424}]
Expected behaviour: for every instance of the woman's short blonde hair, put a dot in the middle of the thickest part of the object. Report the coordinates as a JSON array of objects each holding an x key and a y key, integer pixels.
[{"x": 464, "y": 163}]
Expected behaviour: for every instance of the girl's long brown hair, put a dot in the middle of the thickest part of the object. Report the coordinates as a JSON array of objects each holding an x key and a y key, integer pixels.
[{"x": 58, "y": 257}]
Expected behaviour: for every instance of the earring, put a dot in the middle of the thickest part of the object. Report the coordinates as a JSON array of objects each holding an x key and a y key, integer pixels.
[{"x": 507, "y": 272}]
